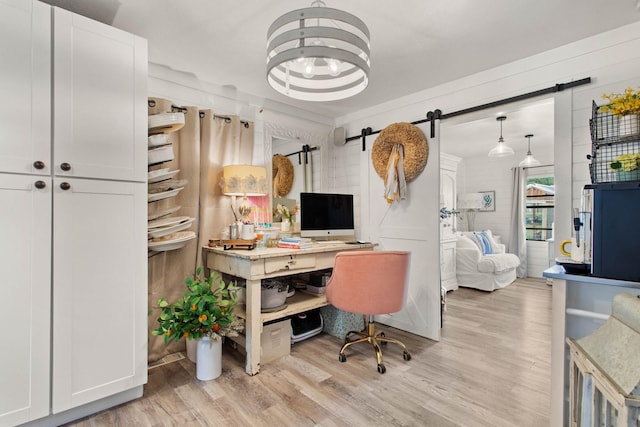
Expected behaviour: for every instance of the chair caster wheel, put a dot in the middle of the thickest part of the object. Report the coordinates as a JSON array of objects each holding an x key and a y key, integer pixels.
[
  {"x": 381, "y": 369},
  {"x": 342, "y": 357},
  {"x": 406, "y": 355},
  {"x": 382, "y": 335}
]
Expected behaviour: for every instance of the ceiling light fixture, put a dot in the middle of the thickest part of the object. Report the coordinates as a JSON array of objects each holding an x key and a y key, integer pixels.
[
  {"x": 318, "y": 54},
  {"x": 501, "y": 149},
  {"x": 529, "y": 160}
]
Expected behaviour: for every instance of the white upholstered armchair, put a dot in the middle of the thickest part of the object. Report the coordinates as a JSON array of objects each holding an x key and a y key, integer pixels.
[{"x": 482, "y": 263}]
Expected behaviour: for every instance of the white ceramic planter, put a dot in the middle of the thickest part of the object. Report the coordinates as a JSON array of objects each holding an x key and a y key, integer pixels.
[{"x": 209, "y": 359}]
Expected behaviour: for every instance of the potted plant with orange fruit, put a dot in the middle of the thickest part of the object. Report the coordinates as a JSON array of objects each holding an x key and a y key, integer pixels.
[{"x": 204, "y": 312}]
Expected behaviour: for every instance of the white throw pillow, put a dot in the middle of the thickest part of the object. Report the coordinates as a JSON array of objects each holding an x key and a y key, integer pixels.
[{"x": 465, "y": 242}]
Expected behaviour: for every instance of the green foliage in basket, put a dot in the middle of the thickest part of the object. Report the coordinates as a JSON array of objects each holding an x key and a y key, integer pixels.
[
  {"x": 205, "y": 309},
  {"x": 626, "y": 162}
]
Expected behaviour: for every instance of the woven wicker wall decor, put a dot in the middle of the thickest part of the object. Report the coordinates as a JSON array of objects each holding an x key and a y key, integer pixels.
[
  {"x": 282, "y": 173},
  {"x": 416, "y": 149}
]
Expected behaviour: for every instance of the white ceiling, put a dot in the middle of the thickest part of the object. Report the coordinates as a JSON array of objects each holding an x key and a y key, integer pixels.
[{"x": 415, "y": 44}]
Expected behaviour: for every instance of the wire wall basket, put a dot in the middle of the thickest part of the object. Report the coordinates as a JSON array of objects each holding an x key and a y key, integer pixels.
[{"x": 615, "y": 147}]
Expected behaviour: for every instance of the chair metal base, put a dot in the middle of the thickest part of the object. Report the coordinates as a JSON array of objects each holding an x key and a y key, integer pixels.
[{"x": 376, "y": 340}]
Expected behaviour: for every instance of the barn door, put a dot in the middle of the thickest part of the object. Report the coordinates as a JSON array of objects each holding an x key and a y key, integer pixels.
[{"x": 409, "y": 225}]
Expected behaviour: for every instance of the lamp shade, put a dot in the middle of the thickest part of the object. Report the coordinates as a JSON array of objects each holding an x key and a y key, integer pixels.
[
  {"x": 501, "y": 149},
  {"x": 469, "y": 201},
  {"x": 244, "y": 180},
  {"x": 529, "y": 160}
]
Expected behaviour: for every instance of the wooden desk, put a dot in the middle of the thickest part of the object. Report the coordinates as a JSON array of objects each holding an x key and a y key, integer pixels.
[{"x": 258, "y": 264}]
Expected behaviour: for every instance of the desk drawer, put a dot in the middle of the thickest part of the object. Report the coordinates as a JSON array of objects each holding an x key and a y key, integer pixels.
[{"x": 289, "y": 263}]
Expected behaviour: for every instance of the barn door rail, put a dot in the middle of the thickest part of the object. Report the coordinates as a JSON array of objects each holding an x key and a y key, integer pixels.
[{"x": 437, "y": 114}]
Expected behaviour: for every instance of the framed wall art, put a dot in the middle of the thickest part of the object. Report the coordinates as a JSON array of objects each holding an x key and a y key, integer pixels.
[{"x": 488, "y": 201}]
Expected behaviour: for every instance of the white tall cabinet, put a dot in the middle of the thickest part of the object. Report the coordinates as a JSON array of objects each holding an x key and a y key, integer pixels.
[
  {"x": 73, "y": 276},
  {"x": 448, "y": 239}
]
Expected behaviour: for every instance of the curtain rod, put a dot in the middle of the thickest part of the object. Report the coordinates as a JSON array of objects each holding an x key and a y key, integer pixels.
[
  {"x": 227, "y": 119},
  {"x": 152, "y": 103},
  {"x": 305, "y": 149},
  {"x": 533, "y": 167},
  {"x": 437, "y": 114},
  {"x": 539, "y": 166}
]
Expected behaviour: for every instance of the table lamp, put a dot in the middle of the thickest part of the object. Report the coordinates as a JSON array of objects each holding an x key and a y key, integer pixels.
[
  {"x": 244, "y": 180},
  {"x": 470, "y": 203}
]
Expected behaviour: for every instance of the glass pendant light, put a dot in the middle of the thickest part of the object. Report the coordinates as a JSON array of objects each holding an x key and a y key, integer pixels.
[
  {"x": 501, "y": 149},
  {"x": 529, "y": 160}
]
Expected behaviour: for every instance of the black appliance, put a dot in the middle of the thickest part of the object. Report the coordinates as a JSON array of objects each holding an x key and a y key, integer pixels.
[
  {"x": 616, "y": 231},
  {"x": 305, "y": 325}
]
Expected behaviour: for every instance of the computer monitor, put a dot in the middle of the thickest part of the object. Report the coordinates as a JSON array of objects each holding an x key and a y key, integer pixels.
[{"x": 326, "y": 215}]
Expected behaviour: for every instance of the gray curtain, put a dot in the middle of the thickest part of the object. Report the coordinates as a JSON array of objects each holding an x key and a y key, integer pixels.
[{"x": 518, "y": 242}]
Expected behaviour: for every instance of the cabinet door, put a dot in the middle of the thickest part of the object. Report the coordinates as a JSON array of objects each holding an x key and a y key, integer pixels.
[
  {"x": 25, "y": 85},
  {"x": 448, "y": 265},
  {"x": 447, "y": 199},
  {"x": 25, "y": 292},
  {"x": 99, "y": 289},
  {"x": 100, "y": 100}
]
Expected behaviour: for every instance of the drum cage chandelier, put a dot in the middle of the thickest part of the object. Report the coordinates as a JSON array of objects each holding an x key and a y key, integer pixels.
[{"x": 318, "y": 54}]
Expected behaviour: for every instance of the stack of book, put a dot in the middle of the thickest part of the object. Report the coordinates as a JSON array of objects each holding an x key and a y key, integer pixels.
[{"x": 294, "y": 243}]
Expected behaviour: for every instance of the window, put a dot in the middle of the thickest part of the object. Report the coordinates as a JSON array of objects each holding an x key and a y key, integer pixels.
[{"x": 539, "y": 208}]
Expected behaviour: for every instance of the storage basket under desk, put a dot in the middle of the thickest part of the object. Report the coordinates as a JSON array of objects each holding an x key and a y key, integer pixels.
[{"x": 614, "y": 136}]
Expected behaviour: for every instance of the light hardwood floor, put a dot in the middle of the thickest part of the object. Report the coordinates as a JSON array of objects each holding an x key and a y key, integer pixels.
[{"x": 491, "y": 368}]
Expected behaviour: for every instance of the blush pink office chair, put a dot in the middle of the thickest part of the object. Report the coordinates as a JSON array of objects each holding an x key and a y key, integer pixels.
[{"x": 369, "y": 283}]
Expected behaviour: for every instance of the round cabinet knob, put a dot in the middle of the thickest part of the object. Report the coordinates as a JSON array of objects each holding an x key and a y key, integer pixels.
[
  {"x": 65, "y": 185},
  {"x": 40, "y": 184},
  {"x": 65, "y": 167},
  {"x": 38, "y": 164}
]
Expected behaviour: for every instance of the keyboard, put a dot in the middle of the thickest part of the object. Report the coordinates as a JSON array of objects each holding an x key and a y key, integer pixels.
[{"x": 330, "y": 242}]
